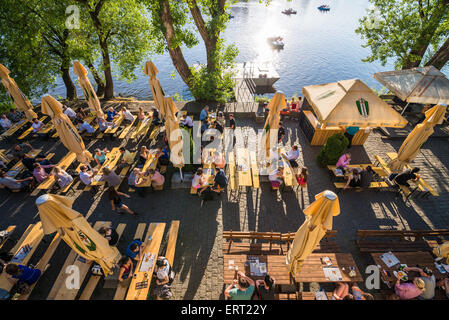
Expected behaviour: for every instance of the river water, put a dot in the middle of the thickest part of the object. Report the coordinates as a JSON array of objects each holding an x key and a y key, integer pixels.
[{"x": 320, "y": 47}]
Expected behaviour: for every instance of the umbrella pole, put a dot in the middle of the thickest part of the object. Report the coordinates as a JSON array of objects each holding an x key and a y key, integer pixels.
[
  {"x": 180, "y": 173},
  {"x": 405, "y": 108}
]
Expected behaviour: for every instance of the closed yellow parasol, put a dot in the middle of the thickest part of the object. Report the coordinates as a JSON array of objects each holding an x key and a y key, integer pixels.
[
  {"x": 155, "y": 85},
  {"x": 88, "y": 90},
  {"x": 275, "y": 106}
]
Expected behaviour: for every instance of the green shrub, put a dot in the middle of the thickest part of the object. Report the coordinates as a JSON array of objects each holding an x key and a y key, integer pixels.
[
  {"x": 188, "y": 167},
  {"x": 5, "y": 106},
  {"x": 334, "y": 147}
]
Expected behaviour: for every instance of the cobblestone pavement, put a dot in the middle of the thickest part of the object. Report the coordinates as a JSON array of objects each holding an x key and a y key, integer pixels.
[{"x": 199, "y": 259}]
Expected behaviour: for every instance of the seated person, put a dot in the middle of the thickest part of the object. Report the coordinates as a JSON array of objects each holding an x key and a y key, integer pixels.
[
  {"x": 219, "y": 160},
  {"x": 218, "y": 126},
  {"x": 428, "y": 277},
  {"x": 220, "y": 180},
  {"x": 21, "y": 149},
  {"x": 292, "y": 156},
  {"x": 341, "y": 291},
  {"x": 403, "y": 178},
  {"x": 162, "y": 271},
  {"x": 281, "y": 132},
  {"x": 357, "y": 294},
  {"x": 80, "y": 114},
  {"x": 141, "y": 114},
  {"x": 86, "y": 175},
  {"x": 343, "y": 161},
  {"x": 126, "y": 158},
  {"x": 126, "y": 268},
  {"x": 198, "y": 179},
  {"x": 39, "y": 172},
  {"x": 135, "y": 250},
  {"x": 110, "y": 234},
  {"x": 204, "y": 126},
  {"x": 204, "y": 114},
  {"x": 187, "y": 122},
  {"x": 302, "y": 177},
  {"x": 5, "y": 122},
  {"x": 69, "y": 112},
  {"x": 62, "y": 177},
  {"x": 354, "y": 179},
  {"x": 157, "y": 179},
  {"x": 133, "y": 178},
  {"x": 143, "y": 156},
  {"x": 266, "y": 288},
  {"x": 85, "y": 126},
  {"x": 103, "y": 124},
  {"x": 276, "y": 177},
  {"x": 366, "y": 177},
  {"x": 15, "y": 115},
  {"x": 14, "y": 184},
  {"x": 156, "y": 120},
  {"x": 293, "y": 104},
  {"x": 111, "y": 114},
  {"x": 37, "y": 126},
  {"x": 409, "y": 290},
  {"x": 162, "y": 156},
  {"x": 242, "y": 288},
  {"x": 23, "y": 273},
  {"x": 100, "y": 156},
  {"x": 128, "y": 115},
  {"x": 444, "y": 284}
]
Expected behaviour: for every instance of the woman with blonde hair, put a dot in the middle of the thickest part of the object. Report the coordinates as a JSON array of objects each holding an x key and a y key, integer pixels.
[{"x": 62, "y": 177}]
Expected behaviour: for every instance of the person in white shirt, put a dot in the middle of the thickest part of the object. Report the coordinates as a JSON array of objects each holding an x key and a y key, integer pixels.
[
  {"x": 86, "y": 176},
  {"x": 5, "y": 122},
  {"x": 85, "y": 126},
  {"x": 188, "y": 122},
  {"x": 37, "y": 125},
  {"x": 276, "y": 177},
  {"x": 128, "y": 115},
  {"x": 292, "y": 155},
  {"x": 69, "y": 112}
]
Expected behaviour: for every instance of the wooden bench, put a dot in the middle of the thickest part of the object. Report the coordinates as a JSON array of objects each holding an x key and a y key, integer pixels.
[
  {"x": 377, "y": 170},
  {"x": 171, "y": 243},
  {"x": 59, "y": 291},
  {"x": 16, "y": 127},
  {"x": 311, "y": 295},
  {"x": 9, "y": 231},
  {"x": 327, "y": 244},
  {"x": 120, "y": 292},
  {"x": 64, "y": 164},
  {"x": 373, "y": 185},
  {"x": 30, "y": 129},
  {"x": 125, "y": 131},
  {"x": 404, "y": 240},
  {"x": 94, "y": 279},
  {"x": 286, "y": 296}
]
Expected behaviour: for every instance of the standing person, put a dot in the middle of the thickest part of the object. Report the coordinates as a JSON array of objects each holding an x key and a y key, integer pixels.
[
  {"x": 204, "y": 114},
  {"x": 116, "y": 201},
  {"x": 350, "y": 133},
  {"x": 343, "y": 162},
  {"x": 62, "y": 177},
  {"x": 5, "y": 122},
  {"x": 126, "y": 268},
  {"x": 109, "y": 234},
  {"x": 242, "y": 288},
  {"x": 232, "y": 127},
  {"x": 302, "y": 177},
  {"x": 221, "y": 119},
  {"x": 266, "y": 288},
  {"x": 281, "y": 132},
  {"x": 292, "y": 156},
  {"x": 128, "y": 115}
]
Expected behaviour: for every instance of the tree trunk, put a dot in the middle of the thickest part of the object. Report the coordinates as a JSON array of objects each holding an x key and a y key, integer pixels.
[
  {"x": 175, "y": 52},
  {"x": 441, "y": 57},
  {"x": 109, "y": 88},
  {"x": 97, "y": 78},
  {"x": 70, "y": 87}
]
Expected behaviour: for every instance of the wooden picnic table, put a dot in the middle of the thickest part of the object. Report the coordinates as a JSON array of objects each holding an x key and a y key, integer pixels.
[
  {"x": 19, "y": 167},
  {"x": 254, "y": 169},
  {"x": 422, "y": 184},
  {"x": 231, "y": 166},
  {"x": 411, "y": 259},
  {"x": 243, "y": 168},
  {"x": 64, "y": 164},
  {"x": 111, "y": 161},
  {"x": 156, "y": 232},
  {"x": 14, "y": 128},
  {"x": 378, "y": 170},
  {"x": 117, "y": 121},
  {"x": 88, "y": 119},
  {"x": 312, "y": 269},
  {"x": 30, "y": 129},
  {"x": 151, "y": 163},
  {"x": 276, "y": 267},
  {"x": 289, "y": 172}
]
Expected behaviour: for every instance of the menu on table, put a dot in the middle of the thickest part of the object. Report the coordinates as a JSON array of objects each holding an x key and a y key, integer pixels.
[{"x": 389, "y": 259}]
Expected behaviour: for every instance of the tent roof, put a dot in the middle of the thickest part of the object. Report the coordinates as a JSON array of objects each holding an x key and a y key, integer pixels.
[
  {"x": 418, "y": 85},
  {"x": 351, "y": 103}
]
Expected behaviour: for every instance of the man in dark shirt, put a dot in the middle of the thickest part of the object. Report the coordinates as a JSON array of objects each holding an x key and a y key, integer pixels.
[
  {"x": 281, "y": 132},
  {"x": 29, "y": 162},
  {"x": 403, "y": 177},
  {"x": 21, "y": 149},
  {"x": 266, "y": 288},
  {"x": 366, "y": 176},
  {"x": 220, "y": 180},
  {"x": 231, "y": 122}
]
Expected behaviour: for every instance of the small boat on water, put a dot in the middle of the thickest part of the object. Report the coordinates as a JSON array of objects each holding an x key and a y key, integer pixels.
[
  {"x": 324, "y": 7},
  {"x": 276, "y": 42},
  {"x": 289, "y": 11},
  {"x": 230, "y": 16}
]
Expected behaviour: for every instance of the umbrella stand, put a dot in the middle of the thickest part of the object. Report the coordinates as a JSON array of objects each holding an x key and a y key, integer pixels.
[
  {"x": 180, "y": 173},
  {"x": 403, "y": 110}
]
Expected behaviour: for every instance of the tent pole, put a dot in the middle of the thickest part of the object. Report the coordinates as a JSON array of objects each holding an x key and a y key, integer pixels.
[{"x": 405, "y": 108}]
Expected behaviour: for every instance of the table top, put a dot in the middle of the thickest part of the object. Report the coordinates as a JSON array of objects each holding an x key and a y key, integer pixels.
[
  {"x": 151, "y": 163},
  {"x": 411, "y": 259},
  {"x": 243, "y": 168},
  {"x": 311, "y": 270},
  {"x": 156, "y": 231},
  {"x": 289, "y": 175},
  {"x": 276, "y": 267},
  {"x": 19, "y": 165},
  {"x": 64, "y": 164},
  {"x": 254, "y": 169},
  {"x": 14, "y": 128}
]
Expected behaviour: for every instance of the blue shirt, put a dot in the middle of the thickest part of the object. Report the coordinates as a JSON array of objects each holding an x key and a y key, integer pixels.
[
  {"x": 203, "y": 115},
  {"x": 28, "y": 275},
  {"x": 352, "y": 130},
  {"x": 131, "y": 254},
  {"x": 111, "y": 115},
  {"x": 165, "y": 156}
]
